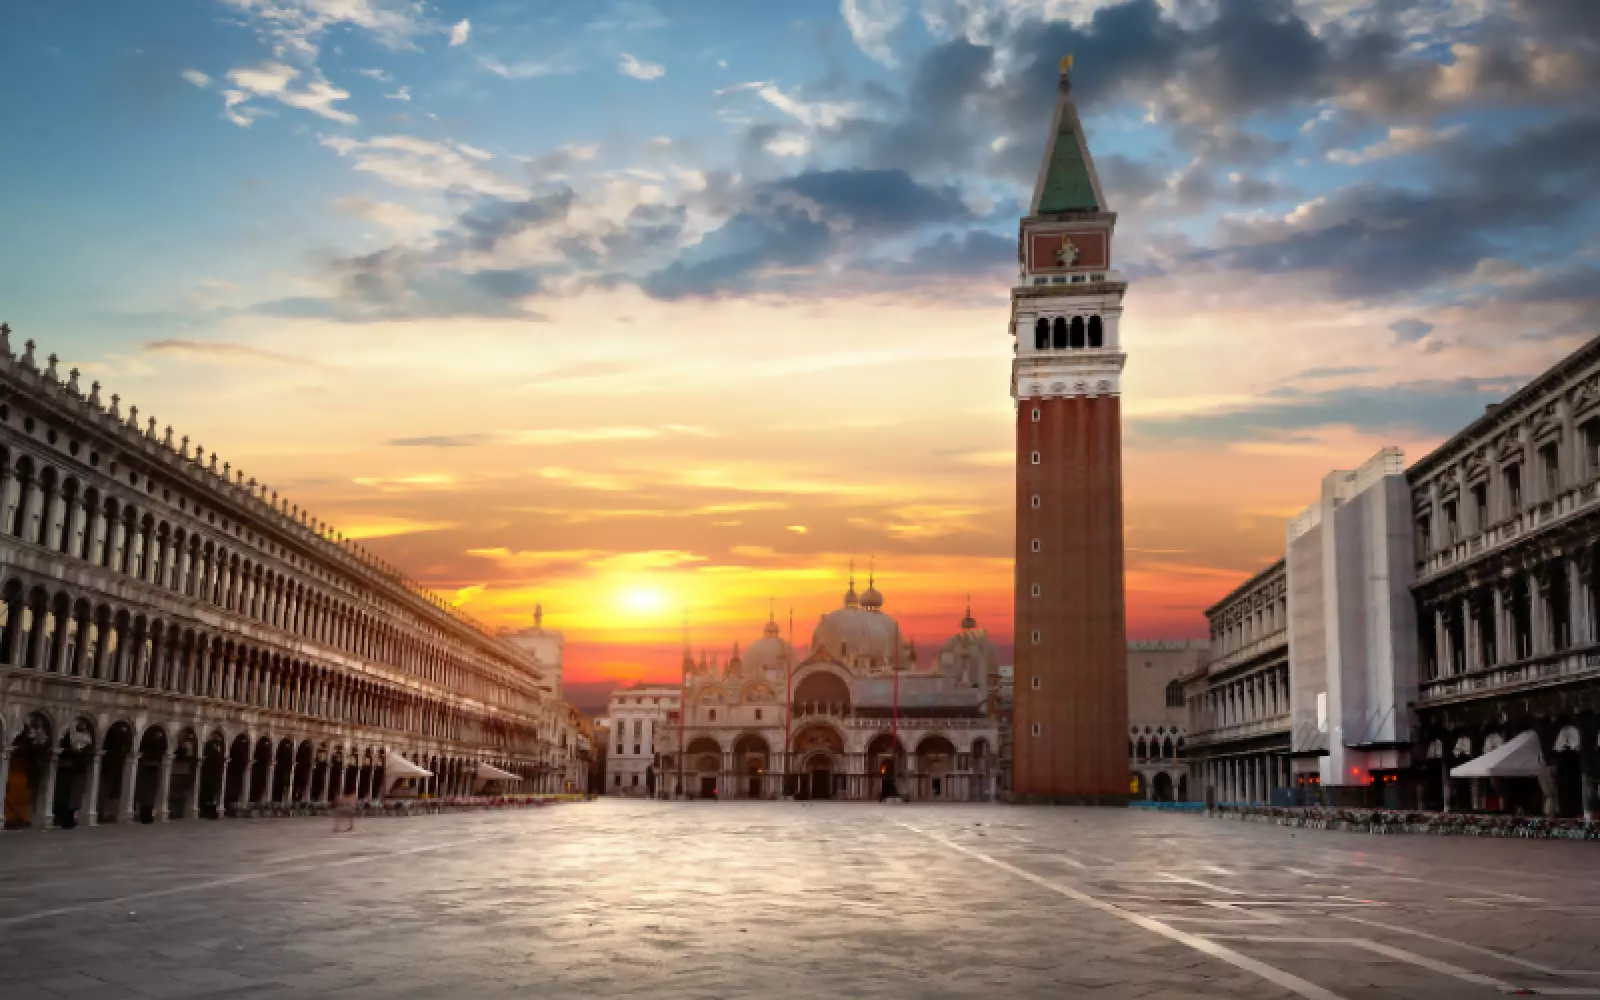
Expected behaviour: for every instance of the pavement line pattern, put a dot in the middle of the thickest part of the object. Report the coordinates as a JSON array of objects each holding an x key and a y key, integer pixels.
[
  {"x": 1272, "y": 974},
  {"x": 227, "y": 880},
  {"x": 1502, "y": 956}
]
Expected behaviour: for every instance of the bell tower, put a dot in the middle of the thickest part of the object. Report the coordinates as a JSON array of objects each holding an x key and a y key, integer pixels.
[{"x": 1070, "y": 741}]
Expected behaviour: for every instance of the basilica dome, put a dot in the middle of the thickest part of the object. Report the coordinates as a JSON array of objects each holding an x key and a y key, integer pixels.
[
  {"x": 858, "y": 630},
  {"x": 767, "y": 654}
]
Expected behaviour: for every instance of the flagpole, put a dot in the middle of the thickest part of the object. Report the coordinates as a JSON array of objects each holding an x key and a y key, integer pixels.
[
  {"x": 683, "y": 707},
  {"x": 894, "y": 745},
  {"x": 788, "y": 662}
]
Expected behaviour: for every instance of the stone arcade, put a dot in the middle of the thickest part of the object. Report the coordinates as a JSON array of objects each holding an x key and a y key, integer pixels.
[{"x": 177, "y": 641}]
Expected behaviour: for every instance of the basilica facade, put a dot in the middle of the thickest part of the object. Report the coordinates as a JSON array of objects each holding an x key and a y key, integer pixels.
[
  {"x": 854, "y": 714},
  {"x": 178, "y": 641}
]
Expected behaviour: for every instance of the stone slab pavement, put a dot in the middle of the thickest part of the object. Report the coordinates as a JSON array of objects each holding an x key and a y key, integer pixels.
[{"x": 628, "y": 898}]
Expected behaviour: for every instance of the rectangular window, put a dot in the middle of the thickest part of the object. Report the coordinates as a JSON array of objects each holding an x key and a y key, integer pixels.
[
  {"x": 1037, "y": 545},
  {"x": 1480, "y": 506},
  {"x": 1037, "y": 501},
  {"x": 1550, "y": 466},
  {"x": 1036, "y": 638},
  {"x": 1452, "y": 530},
  {"x": 619, "y": 749},
  {"x": 1512, "y": 476},
  {"x": 636, "y": 749},
  {"x": 758, "y": 715},
  {"x": 1036, "y": 590},
  {"x": 1035, "y": 458},
  {"x": 1037, "y": 729},
  {"x": 1591, "y": 448},
  {"x": 1424, "y": 542},
  {"x": 635, "y": 781},
  {"x": 618, "y": 782},
  {"x": 1037, "y": 683},
  {"x": 1035, "y": 414}
]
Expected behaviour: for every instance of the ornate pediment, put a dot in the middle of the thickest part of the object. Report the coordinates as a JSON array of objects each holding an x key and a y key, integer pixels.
[
  {"x": 1547, "y": 424},
  {"x": 1508, "y": 445},
  {"x": 1586, "y": 394}
]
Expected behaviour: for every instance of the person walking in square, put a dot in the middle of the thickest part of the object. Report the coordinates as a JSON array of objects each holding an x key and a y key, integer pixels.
[{"x": 344, "y": 809}]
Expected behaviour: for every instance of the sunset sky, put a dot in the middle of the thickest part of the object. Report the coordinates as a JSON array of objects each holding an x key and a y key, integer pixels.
[{"x": 637, "y": 309}]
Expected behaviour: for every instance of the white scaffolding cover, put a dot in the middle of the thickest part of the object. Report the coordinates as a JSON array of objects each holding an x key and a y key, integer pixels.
[
  {"x": 396, "y": 767},
  {"x": 1519, "y": 758}
]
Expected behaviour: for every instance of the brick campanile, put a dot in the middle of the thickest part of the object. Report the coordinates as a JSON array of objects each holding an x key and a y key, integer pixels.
[{"x": 1071, "y": 695}]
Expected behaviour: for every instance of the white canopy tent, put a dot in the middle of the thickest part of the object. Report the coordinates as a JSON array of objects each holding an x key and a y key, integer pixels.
[
  {"x": 396, "y": 768},
  {"x": 488, "y": 773},
  {"x": 1518, "y": 758}
]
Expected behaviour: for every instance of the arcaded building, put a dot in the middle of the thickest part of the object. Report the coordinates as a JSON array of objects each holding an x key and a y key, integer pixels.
[
  {"x": 1071, "y": 709},
  {"x": 1506, "y": 529},
  {"x": 1238, "y": 702},
  {"x": 177, "y": 640},
  {"x": 837, "y": 717}
]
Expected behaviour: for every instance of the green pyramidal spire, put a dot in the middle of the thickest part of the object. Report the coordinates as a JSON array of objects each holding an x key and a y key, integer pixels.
[{"x": 1067, "y": 181}]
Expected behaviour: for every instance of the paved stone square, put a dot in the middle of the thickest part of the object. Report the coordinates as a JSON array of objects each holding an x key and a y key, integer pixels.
[{"x": 764, "y": 899}]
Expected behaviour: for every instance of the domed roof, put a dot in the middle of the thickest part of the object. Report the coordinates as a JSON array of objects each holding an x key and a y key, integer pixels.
[
  {"x": 850, "y": 632},
  {"x": 969, "y": 657},
  {"x": 766, "y": 655},
  {"x": 871, "y": 599}
]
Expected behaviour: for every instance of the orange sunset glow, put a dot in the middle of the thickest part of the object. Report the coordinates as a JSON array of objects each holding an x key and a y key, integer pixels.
[{"x": 677, "y": 321}]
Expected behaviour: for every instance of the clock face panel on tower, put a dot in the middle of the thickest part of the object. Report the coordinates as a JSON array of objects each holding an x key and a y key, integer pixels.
[{"x": 1069, "y": 250}]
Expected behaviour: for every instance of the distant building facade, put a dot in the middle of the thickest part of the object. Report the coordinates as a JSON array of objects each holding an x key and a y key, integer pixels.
[
  {"x": 548, "y": 646},
  {"x": 642, "y": 727},
  {"x": 1158, "y": 722},
  {"x": 1238, "y": 702},
  {"x": 855, "y": 708}
]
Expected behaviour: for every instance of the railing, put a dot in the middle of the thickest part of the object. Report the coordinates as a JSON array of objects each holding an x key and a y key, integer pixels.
[
  {"x": 1251, "y": 650},
  {"x": 1550, "y": 668},
  {"x": 1531, "y": 518},
  {"x": 873, "y": 722},
  {"x": 1269, "y": 726}
]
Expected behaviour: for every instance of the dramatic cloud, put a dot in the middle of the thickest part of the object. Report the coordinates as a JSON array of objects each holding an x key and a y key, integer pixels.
[{"x": 871, "y": 22}]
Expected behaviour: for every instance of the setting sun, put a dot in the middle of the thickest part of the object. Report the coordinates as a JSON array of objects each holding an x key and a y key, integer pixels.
[{"x": 644, "y": 600}]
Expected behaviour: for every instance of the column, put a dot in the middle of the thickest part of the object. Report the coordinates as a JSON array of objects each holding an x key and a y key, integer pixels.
[
  {"x": 164, "y": 788},
  {"x": 1538, "y": 613},
  {"x": 91, "y": 802},
  {"x": 267, "y": 794},
  {"x": 327, "y": 774},
  {"x": 1500, "y": 630},
  {"x": 1577, "y": 603},
  {"x": 198, "y": 762},
  {"x": 1445, "y": 747},
  {"x": 249, "y": 771},
  {"x": 130, "y": 775},
  {"x": 47, "y": 810},
  {"x": 1441, "y": 644}
]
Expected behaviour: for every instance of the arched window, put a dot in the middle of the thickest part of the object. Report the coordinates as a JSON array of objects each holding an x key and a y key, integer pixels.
[
  {"x": 1174, "y": 695},
  {"x": 1097, "y": 332},
  {"x": 1041, "y": 334},
  {"x": 1059, "y": 334},
  {"x": 1075, "y": 338}
]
